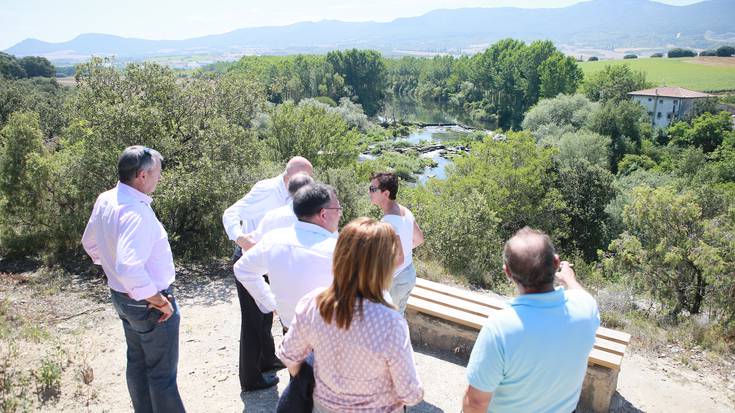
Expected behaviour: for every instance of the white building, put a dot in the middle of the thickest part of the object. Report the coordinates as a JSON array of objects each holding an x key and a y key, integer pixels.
[{"x": 667, "y": 104}]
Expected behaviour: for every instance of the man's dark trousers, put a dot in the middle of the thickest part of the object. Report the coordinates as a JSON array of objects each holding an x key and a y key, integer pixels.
[
  {"x": 153, "y": 354},
  {"x": 257, "y": 351}
]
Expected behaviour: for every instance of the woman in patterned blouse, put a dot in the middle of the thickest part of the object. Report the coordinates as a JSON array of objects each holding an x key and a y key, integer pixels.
[{"x": 363, "y": 359}]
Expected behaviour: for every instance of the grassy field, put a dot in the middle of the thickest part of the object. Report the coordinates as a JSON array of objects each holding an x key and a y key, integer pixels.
[{"x": 705, "y": 74}]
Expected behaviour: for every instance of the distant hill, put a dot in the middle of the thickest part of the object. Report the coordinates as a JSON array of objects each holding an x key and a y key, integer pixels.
[{"x": 601, "y": 24}]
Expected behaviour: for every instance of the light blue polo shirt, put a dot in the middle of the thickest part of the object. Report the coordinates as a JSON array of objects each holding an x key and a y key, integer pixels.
[{"x": 533, "y": 355}]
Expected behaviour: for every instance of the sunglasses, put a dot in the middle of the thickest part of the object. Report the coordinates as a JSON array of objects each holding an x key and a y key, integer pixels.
[{"x": 374, "y": 189}]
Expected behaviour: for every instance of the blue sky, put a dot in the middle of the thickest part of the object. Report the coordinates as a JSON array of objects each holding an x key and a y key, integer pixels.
[{"x": 62, "y": 20}]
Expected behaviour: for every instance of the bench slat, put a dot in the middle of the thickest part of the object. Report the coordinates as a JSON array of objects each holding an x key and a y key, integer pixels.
[
  {"x": 448, "y": 313},
  {"x": 458, "y": 293},
  {"x": 450, "y": 301},
  {"x": 605, "y": 359},
  {"x": 614, "y": 335},
  {"x": 609, "y": 346}
]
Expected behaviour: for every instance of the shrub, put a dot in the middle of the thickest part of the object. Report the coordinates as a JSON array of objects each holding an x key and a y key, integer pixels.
[
  {"x": 679, "y": 52},
  {"x": 708, "y": 53},
  {"x": 655, "y": 55},
  {"x": 630, "y": 56},
  {"x": 593, "y": 59},
  {"x": 725, "y": 51}
]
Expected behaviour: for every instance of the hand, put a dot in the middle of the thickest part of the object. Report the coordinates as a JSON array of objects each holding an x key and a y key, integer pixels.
[
  {"x": 566, "y": 276},
  {"x": 245, "y": 242},
  {"x": 163, "y": 305}
]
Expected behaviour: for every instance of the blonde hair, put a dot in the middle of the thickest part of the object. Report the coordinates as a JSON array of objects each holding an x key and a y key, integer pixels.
[{"x": 363, "y": 265}]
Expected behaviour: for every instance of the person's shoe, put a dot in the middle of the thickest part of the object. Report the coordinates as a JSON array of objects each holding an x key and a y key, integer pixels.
[
  {"x": 276, "y": 365},
  {"x": 266, "y": 382}
]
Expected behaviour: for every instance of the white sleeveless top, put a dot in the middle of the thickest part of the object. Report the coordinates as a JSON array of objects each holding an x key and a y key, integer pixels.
[{"x": 403, "y": 225}]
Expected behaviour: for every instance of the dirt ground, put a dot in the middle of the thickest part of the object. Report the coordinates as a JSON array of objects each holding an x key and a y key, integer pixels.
[{"x": 85, "y": 335}]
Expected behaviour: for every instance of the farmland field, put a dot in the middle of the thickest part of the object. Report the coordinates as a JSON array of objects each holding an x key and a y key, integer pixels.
[{"x": 705, "y": 74}]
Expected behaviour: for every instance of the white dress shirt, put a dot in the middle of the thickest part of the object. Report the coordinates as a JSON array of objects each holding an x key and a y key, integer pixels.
[
  {"x": 244, "y": 215},
  {"x": 280, "y": 217},
  {"x": 124, "y": 236},
  {"x": 297, "y": 259}
]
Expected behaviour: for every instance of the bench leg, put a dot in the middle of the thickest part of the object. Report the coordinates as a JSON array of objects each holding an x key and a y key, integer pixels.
[{"x": 598, "y": 388}]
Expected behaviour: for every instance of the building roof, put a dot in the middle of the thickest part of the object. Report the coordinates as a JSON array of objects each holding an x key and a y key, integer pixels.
[{"x": 672, "y": 92}]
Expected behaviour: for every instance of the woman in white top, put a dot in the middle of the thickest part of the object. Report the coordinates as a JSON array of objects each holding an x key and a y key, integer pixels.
[{"x": 383, "y": 191}]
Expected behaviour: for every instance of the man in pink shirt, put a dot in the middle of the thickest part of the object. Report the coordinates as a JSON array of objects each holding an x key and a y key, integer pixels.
[{"x": 124, "y": 236}]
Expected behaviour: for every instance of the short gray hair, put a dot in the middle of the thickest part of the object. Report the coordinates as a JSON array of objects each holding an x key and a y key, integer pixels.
[
  {"x": 134, "y": 159},
  {"x": 311, "y": 199}
]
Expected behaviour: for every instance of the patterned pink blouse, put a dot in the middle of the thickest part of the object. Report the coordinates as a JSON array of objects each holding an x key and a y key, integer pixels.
[{"x": 367, "y": 368}]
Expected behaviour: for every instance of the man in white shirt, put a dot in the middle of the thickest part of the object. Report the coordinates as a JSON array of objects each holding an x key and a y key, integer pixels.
[
  {"x": 257, "y": 351},
  {"x": 280, "y": 217},
  {"x": 124, "y": 236},
  {"x": 298, "y": 259}
]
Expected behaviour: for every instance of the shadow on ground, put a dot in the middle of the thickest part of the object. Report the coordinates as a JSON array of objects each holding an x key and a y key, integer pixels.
[
  {"x": 459, "y": 359},
  {"x": 425, "y": 407},
  {"x": 619, "y": 404},
  {"x": 260, "y": 401}
]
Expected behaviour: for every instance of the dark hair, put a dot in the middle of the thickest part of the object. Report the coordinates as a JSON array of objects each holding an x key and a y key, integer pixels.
[
  {"x": 298, "y": 181},
  {"x": 529, "y": 256},
  {"x": 387, "y": 181},
  {"x": 135, "y": 159},
  {"x": 311, "y": 199}
]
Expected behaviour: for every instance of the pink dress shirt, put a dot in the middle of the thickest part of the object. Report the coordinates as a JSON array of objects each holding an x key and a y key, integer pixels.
[
  {"x": 124, "y": 236},
  {"x": 367, "y": 368}
]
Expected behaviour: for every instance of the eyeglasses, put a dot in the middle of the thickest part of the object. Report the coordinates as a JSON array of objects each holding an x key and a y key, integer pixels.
[
  {"x": 373, "y": 189},
  {"x": 340, "y": 208}
]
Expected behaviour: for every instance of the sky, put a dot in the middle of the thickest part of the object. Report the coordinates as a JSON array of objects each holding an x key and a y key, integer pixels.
[{"x": 59, "y": 21}]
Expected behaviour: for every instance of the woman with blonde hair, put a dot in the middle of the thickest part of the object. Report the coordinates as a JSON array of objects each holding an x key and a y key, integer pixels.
[{"x": 363, "y": 359}]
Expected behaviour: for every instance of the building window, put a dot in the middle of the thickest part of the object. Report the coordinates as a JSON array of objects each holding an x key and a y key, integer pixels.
[
  {"x": 649, "y": 99},
  {"x": 668, "y": 116},
  {"x": 676, "y": 101},
  {"x": 650, "y": 113},
  {"x": 660, "y": 101},
  {"x": 658, "y": 115}
]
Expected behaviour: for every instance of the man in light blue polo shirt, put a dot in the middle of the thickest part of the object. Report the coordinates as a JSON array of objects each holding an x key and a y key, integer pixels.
[{"x": 532, "y": 356}]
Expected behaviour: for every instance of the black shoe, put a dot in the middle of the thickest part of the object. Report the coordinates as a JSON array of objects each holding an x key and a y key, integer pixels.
[
  {"x": 276, "y": 365},
  {"x": 266, "y": 382}
]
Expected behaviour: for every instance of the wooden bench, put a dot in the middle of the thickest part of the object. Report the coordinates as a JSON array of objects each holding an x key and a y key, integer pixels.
[{"x": 449, "y": 318}]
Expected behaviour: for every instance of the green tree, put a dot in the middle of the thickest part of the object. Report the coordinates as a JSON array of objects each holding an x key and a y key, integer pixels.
[
  {"x": 586, "y": 189},
  {"x": 35, "y": 66},
  {"x": 314, "y": 132},
  {"x": 707, "y": 131},
  {"x": 664, "y": 230},
  {"x": 21, "y": 183},
  {"x": 363, "y": 71},
  {"x": 559, "y": 74},
  {"x": 613, "y": 83},
  {"x": 10, "y": 68},
  {"x": 564, "y": 112},
  {"x": 623, "y": 122},
  {"x": 586, "y": 146}
]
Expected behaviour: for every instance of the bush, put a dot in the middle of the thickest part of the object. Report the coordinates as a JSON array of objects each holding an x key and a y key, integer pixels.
[
  {"x": 655, "y": 55},
  {"x": 593, "y": 59},
  {"x": 198, "y": 125},
  {"x": 725, "y": 51},
  {"x": 679, "y": 52},
  {"x": 630, "y": 56},
  {"x": 708, "y": 53}
]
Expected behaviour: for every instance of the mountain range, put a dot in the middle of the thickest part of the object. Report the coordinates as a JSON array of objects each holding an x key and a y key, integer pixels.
[{"x": 595, "y": 24}]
